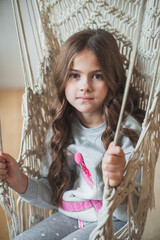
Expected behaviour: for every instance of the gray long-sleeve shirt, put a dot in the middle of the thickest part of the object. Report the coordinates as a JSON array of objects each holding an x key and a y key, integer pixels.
[{"x": 87, "y": 142}]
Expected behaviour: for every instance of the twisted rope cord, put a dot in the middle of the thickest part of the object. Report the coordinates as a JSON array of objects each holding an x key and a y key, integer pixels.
[
  {"x": 34, "y": 37},
  {"x": 38, "y": 35},
  {"x": 31, "y": 77},
  {"x": 153, "y": 86},
  {"x": 20, "y": 43},
  {"x": 130, "y": 71}
]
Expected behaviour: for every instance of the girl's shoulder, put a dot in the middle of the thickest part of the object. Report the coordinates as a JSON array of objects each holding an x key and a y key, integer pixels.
[{"x": 131, "y": 123}]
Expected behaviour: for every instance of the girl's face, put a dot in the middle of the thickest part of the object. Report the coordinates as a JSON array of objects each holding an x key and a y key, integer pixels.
[{"x": 86, "y": 88}]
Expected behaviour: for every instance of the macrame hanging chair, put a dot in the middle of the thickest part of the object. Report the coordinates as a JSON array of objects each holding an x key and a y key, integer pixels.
[{"x": 136, "y": 26}]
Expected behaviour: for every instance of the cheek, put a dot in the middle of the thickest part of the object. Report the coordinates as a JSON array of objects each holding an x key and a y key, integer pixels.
[
  {"x": 69, "y": 91},
  {"x": 104, "y": 91}
]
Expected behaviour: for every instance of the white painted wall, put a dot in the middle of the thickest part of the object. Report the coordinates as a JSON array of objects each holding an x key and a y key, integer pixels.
[
  {"x": 11, "y": 76},
  {"x": 11, "y": 71}
]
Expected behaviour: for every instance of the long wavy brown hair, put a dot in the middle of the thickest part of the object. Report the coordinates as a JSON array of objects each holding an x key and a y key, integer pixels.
[{"x": 104, "y": 46}]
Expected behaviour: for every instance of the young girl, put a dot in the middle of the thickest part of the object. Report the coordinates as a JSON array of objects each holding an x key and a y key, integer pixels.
[{"x": 89, "y": 81}]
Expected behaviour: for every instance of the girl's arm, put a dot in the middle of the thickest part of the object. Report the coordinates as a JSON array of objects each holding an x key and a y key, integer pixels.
[
  {"x": 35, "y": 192},
  {"x": 9, "y": 171},
  {"x": 113, "y": 165}
]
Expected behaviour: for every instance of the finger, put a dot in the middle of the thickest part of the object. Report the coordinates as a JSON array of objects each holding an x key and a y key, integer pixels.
[
  {"x": 111, "y": 145},
  {"x": 114, "y": 178},
  {"x": 6, "y": 157},
  {"x": 115, "y": 151},
  {"x": 114, "y": 183},
  {"x": 112, "y": 171},
  {"x": 1, "y": 158},
  {"x": 114, "y": 160},
  {"x": 3, "y": 171},
  {"x": 2, "y": 165},
  {"x": 3, "y": 177},
  {"x": 113, "y": 168},
  {"x": 111, "y": 183}
]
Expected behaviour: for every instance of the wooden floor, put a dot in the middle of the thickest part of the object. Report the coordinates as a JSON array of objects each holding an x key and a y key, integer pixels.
[{"x": 11, "y": 121}]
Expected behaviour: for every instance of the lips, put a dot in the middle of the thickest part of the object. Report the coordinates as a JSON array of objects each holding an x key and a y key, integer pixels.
[{"x": 85, "y": 99}]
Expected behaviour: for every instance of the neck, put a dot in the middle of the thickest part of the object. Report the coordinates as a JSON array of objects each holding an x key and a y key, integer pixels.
[{"x": 89, "y": 121}]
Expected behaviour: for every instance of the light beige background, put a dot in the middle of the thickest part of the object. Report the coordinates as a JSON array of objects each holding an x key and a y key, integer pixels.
[
  {"x": 10, "y": 112},
  {"x": 11, "y": 122}
]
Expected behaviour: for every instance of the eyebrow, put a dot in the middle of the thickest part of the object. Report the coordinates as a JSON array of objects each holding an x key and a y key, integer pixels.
[{"x": 94, "y": 71}]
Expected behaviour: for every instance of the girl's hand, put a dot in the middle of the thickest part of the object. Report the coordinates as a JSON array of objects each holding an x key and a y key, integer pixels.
[
  {"x": 9, "y": 171},
  {"x": 113, "y": 165}
]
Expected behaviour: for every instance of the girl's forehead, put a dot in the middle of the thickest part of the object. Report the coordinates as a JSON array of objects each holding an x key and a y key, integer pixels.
[
  {"x": 85, "y": 52},
  {"x": 85, "y": 57}
]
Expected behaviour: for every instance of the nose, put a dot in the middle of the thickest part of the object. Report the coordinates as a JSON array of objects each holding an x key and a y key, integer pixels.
[{"x": 85, "y": 84}]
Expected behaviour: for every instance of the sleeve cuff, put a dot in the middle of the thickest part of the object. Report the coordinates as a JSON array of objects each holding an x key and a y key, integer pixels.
[{"x": 31, "y": 191}]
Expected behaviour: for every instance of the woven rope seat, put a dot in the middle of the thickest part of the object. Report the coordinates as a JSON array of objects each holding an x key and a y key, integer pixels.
[{"x": 136, "y": 26}]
